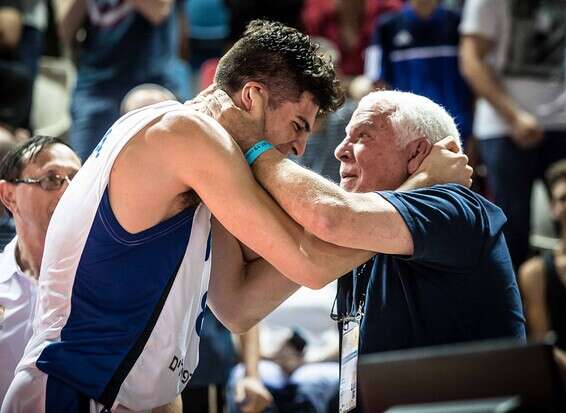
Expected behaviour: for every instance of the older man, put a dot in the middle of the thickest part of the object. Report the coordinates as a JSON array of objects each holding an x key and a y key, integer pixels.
[
  {"x": 33, "y": 177},
  {"x": 442, "y": 271}
]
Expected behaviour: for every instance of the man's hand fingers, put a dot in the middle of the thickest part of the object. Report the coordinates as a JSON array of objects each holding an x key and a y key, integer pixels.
[{"x": 224, "y": 100}]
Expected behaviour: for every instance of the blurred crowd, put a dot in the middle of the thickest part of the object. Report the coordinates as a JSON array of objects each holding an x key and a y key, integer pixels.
[{"x": 71, "y": 68}]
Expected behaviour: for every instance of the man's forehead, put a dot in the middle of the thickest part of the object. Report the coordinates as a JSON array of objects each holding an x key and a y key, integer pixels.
[{"x": 53, "y": 156}]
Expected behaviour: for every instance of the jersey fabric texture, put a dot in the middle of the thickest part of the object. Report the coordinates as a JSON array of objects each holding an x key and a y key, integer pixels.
[
  {"x": 457, "y": 286},
  {"x": 419, "y": 55},
  {"x": 119, "y": 313}
]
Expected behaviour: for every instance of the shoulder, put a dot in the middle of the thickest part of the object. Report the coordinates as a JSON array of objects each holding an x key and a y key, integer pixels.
[
  {"x": 531, "y": 275},
  {"x": 186, "y": 128},
  {"x": 451, "y": 203}
]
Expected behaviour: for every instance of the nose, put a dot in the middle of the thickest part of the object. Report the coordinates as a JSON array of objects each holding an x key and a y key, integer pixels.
[
  {"x": 343, "y": 151},
  {"x": 300, "y": 144}
]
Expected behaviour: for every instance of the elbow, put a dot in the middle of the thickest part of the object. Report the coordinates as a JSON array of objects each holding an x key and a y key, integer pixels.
[
  {"x": 312, "y": 275},
  {"x": 235, "y": 319},
  {"x": 326, "y": 221}
]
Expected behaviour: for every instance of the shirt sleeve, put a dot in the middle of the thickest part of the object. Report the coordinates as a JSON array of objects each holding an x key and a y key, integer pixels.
[
  {"x": 479, "y": 17},
  {"x": 451, "y": 226}
]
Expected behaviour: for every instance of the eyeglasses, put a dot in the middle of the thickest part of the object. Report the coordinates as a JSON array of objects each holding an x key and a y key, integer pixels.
[{"x": 47, "y": 182}]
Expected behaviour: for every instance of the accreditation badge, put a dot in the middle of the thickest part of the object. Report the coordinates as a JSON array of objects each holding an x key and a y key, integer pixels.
[{"x": 349, "y": 365}]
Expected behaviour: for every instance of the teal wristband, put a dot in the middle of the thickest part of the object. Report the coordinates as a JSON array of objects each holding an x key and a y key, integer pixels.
[{"x": 255, "y": 151}]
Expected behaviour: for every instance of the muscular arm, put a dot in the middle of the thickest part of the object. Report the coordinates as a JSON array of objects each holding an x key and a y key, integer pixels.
[
  {"x": 210, "y": 162},
  {"x": 363, "y": 221},
  {"x": 242, "y": 293}
]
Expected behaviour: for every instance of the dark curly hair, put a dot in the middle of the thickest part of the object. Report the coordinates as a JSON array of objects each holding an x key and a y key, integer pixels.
[{"x": 285, "y": 61}]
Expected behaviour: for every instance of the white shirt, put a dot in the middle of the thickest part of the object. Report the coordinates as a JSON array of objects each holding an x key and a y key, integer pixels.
[
  {"x": 535, "y": 83},
  {"x": 18, "y": 293}
]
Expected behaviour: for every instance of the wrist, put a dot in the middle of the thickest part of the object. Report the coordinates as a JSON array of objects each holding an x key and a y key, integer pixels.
[
  {"x": 256, "y": 151},
  {"x": 420, "y": 179}
]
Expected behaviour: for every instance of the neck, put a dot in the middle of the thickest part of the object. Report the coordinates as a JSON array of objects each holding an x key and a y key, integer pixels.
[{"x": 28, "y": 258}]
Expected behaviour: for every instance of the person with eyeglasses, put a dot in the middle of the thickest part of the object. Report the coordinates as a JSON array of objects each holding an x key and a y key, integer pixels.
[{"x": 33, "y": 176}]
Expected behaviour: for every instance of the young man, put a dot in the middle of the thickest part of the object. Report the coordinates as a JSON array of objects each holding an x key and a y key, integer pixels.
[
  {"x": 33, "y": 178},
  {"x": 126, "y": 266}
]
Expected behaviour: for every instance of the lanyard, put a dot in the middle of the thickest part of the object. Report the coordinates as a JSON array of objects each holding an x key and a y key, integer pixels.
[{"x": 357, "y": 290}]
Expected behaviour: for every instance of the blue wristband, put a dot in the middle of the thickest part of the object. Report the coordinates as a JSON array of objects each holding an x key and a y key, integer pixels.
[{"x": 255, "y": 151}]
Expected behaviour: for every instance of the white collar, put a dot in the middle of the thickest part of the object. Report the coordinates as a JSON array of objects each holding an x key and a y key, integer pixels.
[{"x": 8, "y": 264}]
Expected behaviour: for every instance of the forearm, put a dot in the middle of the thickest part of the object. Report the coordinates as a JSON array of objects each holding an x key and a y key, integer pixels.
[
  {"x": 250, "y": 352},
  {"x": 312, "y": 201},
  {"x": 485, "y": 84},
  {"x": 69, "y": 15},
  {"x": 357, "y": 221}
]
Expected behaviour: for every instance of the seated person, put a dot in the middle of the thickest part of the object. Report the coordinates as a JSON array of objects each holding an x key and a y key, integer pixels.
[
  {"x": 33, "y": 177},
  {"x": 543, "y": 278},
  {"x": 293, "y": 367}
]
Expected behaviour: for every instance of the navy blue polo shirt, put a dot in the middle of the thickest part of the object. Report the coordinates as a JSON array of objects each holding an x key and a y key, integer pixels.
[{"x": 458, "y": 285}]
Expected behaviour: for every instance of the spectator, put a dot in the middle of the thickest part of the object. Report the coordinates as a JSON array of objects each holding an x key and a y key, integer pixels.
[
  {"x": 293, "y": 367},
  {"x": 416, "y": 50},
  {"x": 127, "y": 43},
  {"x": 512, "y": 54},
  {"x": 22, "y": 26},
  {"x": 33, "y": 177},
  {"x": 7, "y": 227},
  {"x": 144, "y": 95},
  {"x": 348, "y": 24},
  {"x": 543, "y": 278}
]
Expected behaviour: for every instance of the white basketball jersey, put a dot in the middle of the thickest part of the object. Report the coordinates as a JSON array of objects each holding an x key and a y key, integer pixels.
[{"x": 119, "y": 314}]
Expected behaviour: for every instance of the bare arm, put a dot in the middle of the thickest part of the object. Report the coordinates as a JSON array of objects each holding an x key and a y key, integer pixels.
[
  {"x": 10, "y": 28},
  {"x": 242, "y": 293},
  {"x": 356, "y": 220},
  {"x": 532, "y": 282},
  {"x": 69, "y": 15},
  {"x": 473, "y": 50},
  {"x": 241, "y": 205},
  {"x": 156, "y": 11},
  {"x": 251, "y": 393}
]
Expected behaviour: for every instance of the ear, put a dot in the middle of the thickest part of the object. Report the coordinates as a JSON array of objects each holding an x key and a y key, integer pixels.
[
  {"x": 246, "y": 95},
  {"x": 7, "y": 195},
  {"x": 418, "y": 150}
]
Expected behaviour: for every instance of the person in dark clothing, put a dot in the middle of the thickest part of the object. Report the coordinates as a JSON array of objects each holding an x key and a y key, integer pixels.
[{"x": 543, "y": 278}]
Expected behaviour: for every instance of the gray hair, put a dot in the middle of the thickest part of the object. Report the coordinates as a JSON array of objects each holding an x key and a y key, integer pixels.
[{"x": 413, "y": 116}]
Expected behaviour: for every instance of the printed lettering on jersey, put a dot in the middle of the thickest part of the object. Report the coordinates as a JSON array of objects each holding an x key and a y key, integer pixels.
[
  {"x": 177, "y": 365},
  {"x": 200, "y": 318},
  {"x": 98, "y": 148}
]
